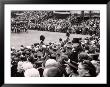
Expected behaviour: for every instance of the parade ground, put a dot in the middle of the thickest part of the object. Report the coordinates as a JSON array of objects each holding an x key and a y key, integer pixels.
[{"x": 33, "y": 36}]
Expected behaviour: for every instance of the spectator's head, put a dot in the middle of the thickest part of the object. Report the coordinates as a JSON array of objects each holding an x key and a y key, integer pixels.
[
  {"x": 54, "y": 48},
  {"x": 18, "y": 54},
  {"x": 52, "y": 72},
  {"x": 23, "y": 58},
  {"x": 27, "y": 65},
  {"x": 60, "y": 39},
  {"x": 97, "y": 66},
  {"x": 31, "y": 59},
  {"x": 31, "y": 73},
  {"x": 15, "y": 60},
  {"x": 63, "y": 59},
  {"x": 51, "y": 62},
  {"x": 86, "y": 69},
  {"x": 95, "y": 56},
  {"x": 53, "y": 56},
  {"x": 83, "y": 56},
  {"x": 12, "y": 48},
  {"x": 22, "y": 46},
  {"x": 35, "y": 44},
  {"x": 27, "y": 53},
  {"x": 38, "y": 64},
  {"x": 71, "y": 68}
]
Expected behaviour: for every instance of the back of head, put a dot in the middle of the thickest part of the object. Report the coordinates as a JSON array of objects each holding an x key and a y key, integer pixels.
[
  {"x": 52, "y": 72},
  {"x": 90, "y": 67},
  {"x": 83, "y": 56},
  {"x": 31, "y": 73},
  {"x": 42, "y": 37},
  {"x": 51, "y": 62}
]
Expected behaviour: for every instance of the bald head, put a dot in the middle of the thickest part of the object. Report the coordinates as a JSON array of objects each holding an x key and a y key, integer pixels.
[{"x": 51, "y": 72}]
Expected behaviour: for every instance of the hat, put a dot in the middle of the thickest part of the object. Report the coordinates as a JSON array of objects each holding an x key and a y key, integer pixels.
[
  {"x": 16, "y": 59},
  {"x": 29, "y": 47},
  {"x": 43, "y": 46},
  {"x": 42, "y": 37},
  {"x": 76, "y": 40},
  {"x": 75, "y": 45},
  {"x": 83, "y": 56},
  {"x": 60, "y": 39},
  {"x": 21, "y": 48},
  {"x": 31, "y": 73},
  {"x": 38, "y": 63}
]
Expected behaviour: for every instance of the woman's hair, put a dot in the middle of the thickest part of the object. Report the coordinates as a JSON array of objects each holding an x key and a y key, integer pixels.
[{"x": 90, "y": 67}]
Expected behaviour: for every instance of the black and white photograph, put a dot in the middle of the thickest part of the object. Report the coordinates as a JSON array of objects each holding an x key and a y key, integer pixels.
[{"x": 54, "y": 43}]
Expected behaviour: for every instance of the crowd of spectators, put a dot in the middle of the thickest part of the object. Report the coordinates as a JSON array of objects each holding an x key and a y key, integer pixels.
[
  {"x": 46, "y": 21},
  {"x": 90, "y": 26},
  {"x": 67, "y": 58}
]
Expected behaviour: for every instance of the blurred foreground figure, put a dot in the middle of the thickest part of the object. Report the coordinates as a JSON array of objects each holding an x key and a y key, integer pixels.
[
  {"x": 52, "y": 72},
  {"x": 86, "y": 69},
  {"x": 31, "y": 73}
]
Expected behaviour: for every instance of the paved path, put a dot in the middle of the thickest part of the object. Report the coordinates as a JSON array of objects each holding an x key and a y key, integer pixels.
[{"x": 32, "y": 36}]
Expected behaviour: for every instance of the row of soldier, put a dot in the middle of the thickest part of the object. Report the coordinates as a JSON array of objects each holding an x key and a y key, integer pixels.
[{"x": 17, "y": 27}]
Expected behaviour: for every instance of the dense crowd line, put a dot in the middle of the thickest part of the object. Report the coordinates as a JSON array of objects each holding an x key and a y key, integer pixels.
[
  {"x": 90, "y": 26},
  {"x": 76, "y": 58},
  {"x": 45, "y": 21}
]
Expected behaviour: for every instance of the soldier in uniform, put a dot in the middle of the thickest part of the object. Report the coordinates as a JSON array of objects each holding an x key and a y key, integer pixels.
[{"x": 42, "y": 38}]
